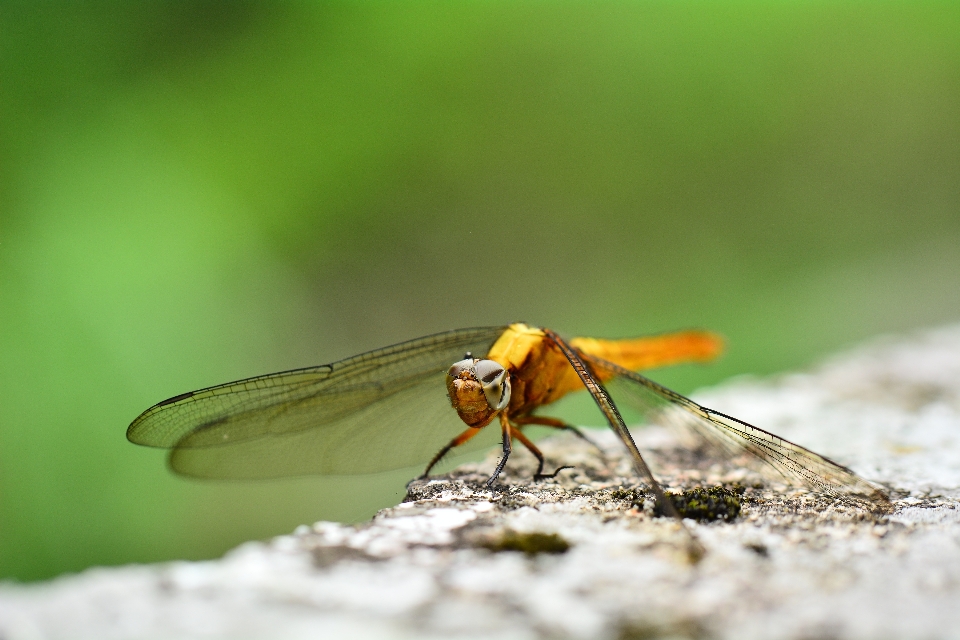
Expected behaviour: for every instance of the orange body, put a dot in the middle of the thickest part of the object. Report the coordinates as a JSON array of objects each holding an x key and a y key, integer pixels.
[
  {"x": 532, "y": 368},
  {"x": 541, "y": 374}
]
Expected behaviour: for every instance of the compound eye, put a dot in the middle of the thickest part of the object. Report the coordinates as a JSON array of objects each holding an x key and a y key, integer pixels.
[
  {"x": 488, "y": 371},
  {"x": 495, "y": 382},
  {"x": 460, "y": 367}
]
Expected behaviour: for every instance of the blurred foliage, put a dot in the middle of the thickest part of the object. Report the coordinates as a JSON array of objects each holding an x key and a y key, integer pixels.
[{"x": 194, "y": 192}]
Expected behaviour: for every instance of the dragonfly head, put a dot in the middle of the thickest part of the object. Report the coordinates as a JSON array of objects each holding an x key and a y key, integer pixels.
[{"x": 478, "y": 389}]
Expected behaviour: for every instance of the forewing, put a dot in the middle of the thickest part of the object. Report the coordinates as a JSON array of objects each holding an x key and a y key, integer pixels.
[
  {"x": 660, "y": 405},
  {"x": 380, "y": 410}
]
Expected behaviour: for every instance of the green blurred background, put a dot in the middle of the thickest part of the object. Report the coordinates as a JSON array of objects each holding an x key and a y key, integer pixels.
[{"x": 194, "y": 192}]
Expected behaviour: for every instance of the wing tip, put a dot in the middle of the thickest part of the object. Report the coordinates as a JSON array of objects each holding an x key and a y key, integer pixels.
[{"x": 136, "y": 431}]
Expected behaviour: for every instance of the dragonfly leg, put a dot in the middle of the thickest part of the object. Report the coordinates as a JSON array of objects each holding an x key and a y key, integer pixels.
[
  {"x": 456, "y": 442},
  {"x": 507, "y": 447},
  {"x": 539, "y": 475},
  {"x": 525, "y": 441},
  {"x": 553, "y": 423}
]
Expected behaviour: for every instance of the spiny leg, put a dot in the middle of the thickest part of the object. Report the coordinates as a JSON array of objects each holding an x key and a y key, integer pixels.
[
  {"x": 507, "y": 447},
  {"x": 531, "y": 447},
  {"x": 555, "y": 424},
  {"x": 456, "y": 442},
  {"x": 539, "y": 475}
]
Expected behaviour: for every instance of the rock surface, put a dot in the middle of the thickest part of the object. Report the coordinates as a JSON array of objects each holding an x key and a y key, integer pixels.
[{"x": 583, "y": 556}]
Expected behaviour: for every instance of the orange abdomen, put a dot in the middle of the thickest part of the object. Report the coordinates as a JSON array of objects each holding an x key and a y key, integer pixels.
[
  {"x": 541, "y": 373},
  {"x": 638, "y": 354}
]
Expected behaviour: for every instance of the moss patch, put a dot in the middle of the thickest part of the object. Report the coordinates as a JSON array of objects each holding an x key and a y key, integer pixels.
[
  {"x": 675, "y": 630},
  {"x": 625, "y": 494},
  {"x": 706, "y": 504},
  {"x": 531, "y": 544}
]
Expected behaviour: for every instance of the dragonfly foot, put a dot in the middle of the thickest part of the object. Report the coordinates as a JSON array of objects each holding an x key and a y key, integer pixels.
[{"x": 543, "y": 476}]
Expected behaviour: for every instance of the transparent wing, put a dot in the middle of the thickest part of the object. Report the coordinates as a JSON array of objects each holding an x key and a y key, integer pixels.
[
  {"x": 695, "y": 550},
  {"x": 795, "y": 463},
  {"x": 381, "y": 410}
]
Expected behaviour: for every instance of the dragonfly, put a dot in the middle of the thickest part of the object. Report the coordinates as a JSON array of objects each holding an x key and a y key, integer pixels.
[{"x": 414, "y": 402}]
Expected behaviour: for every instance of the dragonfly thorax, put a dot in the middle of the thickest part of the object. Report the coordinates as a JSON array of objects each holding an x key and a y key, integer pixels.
[{"x": 478, "y": 389}]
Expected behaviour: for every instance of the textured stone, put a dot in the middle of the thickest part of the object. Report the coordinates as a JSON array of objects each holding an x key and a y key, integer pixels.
[{"x": 583, "y": 555}]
